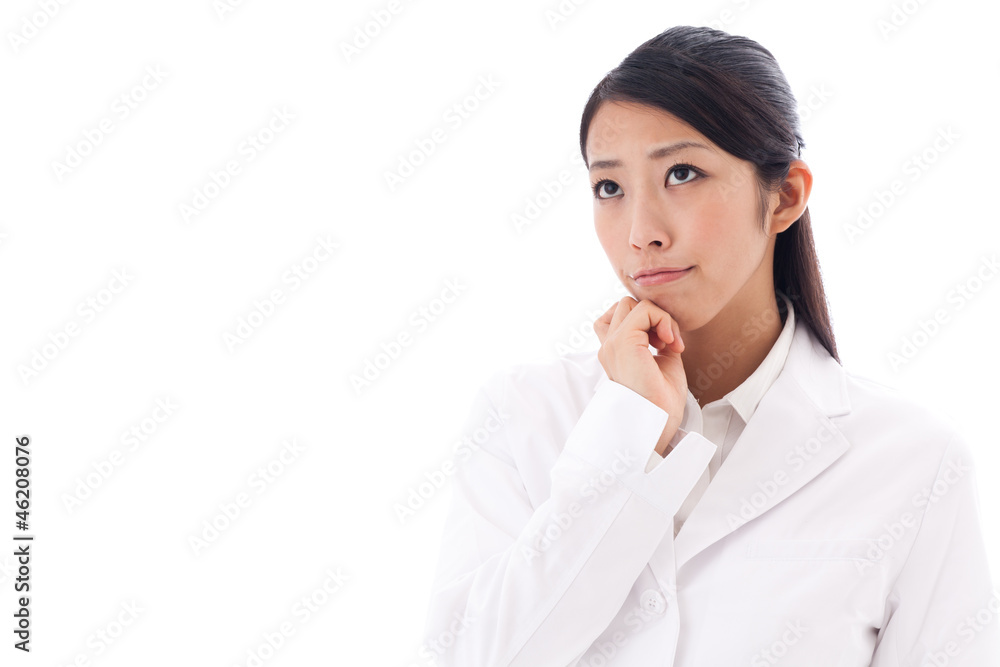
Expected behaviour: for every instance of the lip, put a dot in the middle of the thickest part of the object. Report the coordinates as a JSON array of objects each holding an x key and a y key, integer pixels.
[{"x": 659, "y": 276}]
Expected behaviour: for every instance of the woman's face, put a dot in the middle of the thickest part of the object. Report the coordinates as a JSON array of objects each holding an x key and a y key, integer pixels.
[{"x": 692, "y": 207}]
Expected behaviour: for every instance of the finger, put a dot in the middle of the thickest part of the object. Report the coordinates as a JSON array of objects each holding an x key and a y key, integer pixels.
[
  {"x": 657, "y": 341},
  {"x": 663, "y": 324},
  {"x": 678, "y": 343},
  {"x": 624, "y": 307},
  {"x": 601, "y": 329},
  {"x": 603, "y": 323},
  {"x": 656, "y": 322}
]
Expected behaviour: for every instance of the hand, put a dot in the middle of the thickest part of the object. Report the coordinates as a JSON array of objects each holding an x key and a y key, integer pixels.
[{"x": 626, "y": 330}]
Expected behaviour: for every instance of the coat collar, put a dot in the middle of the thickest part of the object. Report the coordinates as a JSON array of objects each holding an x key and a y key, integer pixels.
[{"x": 795, "y": 412}]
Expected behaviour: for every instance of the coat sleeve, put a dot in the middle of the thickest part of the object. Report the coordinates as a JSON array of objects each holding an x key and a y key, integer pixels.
[
  {"x": 525, "y": 586},
  {"x": 943, "y": 608}
]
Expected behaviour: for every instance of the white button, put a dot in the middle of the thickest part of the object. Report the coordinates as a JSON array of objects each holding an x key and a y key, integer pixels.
[{"x": 653, "y": 600}]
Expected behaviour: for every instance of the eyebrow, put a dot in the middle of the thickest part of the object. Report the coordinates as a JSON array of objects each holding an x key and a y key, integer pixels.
[{"x": 654, "y": 154}]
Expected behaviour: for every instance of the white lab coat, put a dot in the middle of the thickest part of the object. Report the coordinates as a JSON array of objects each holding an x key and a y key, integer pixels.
[{"x": 842, "y": 530}]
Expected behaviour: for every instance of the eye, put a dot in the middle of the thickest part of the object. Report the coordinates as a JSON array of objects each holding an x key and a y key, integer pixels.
[
  {"x": 603, "y": 186},
  {"x": 685, "y": 172}
]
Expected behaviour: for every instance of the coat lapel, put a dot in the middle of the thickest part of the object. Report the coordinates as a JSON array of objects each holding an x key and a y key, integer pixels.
[{"x": 764, "y": 468}]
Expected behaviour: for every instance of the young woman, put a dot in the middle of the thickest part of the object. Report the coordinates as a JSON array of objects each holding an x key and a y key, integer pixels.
[{"x": 711, "y": 486}]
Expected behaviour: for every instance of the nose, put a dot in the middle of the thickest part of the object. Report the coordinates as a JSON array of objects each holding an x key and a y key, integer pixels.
[{"x": 648, "y": 224}]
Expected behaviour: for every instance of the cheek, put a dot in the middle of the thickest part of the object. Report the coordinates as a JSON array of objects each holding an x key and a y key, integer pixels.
[
  {"x": 727, "y": 241},
  {"x": 711, "y": 231},
  {"x": 724, "y": 266}
]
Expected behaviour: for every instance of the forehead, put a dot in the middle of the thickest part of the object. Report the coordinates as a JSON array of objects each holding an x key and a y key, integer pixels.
[
  {"x": 617, "y": 124},
  {"x": 619, "y": 128}
]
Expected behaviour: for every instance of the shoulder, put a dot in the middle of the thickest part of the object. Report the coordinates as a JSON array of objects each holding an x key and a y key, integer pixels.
[
  {"x": 876, "y": 401},
  {"x": 899, "y": 427},
  {"x": 557, "y": 383}
]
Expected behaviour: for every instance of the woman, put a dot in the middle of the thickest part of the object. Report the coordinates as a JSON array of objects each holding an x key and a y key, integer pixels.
[{"x": 710, "y": 487}]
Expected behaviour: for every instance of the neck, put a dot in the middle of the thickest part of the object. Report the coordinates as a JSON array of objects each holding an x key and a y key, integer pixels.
[{"x": 722, "y": 354}]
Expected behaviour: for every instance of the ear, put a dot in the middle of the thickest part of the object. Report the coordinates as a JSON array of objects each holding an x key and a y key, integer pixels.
[{"x": 792, "y": 198}]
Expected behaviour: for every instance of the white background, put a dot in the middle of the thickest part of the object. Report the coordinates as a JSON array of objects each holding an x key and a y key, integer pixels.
[{"x": 525, "y": 292}]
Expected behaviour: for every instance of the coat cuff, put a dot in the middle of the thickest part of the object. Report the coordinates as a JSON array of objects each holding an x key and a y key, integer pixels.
[{"x": 618, "y": 432}]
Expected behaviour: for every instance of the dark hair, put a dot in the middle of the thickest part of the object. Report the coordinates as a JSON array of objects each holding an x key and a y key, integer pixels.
[{"x": 730, "y": 89}]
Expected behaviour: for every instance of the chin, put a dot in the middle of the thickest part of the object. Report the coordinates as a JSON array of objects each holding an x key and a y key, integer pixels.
[
  {"x": 677, "y": 311},
  {"x": 688, "y": 319}
]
